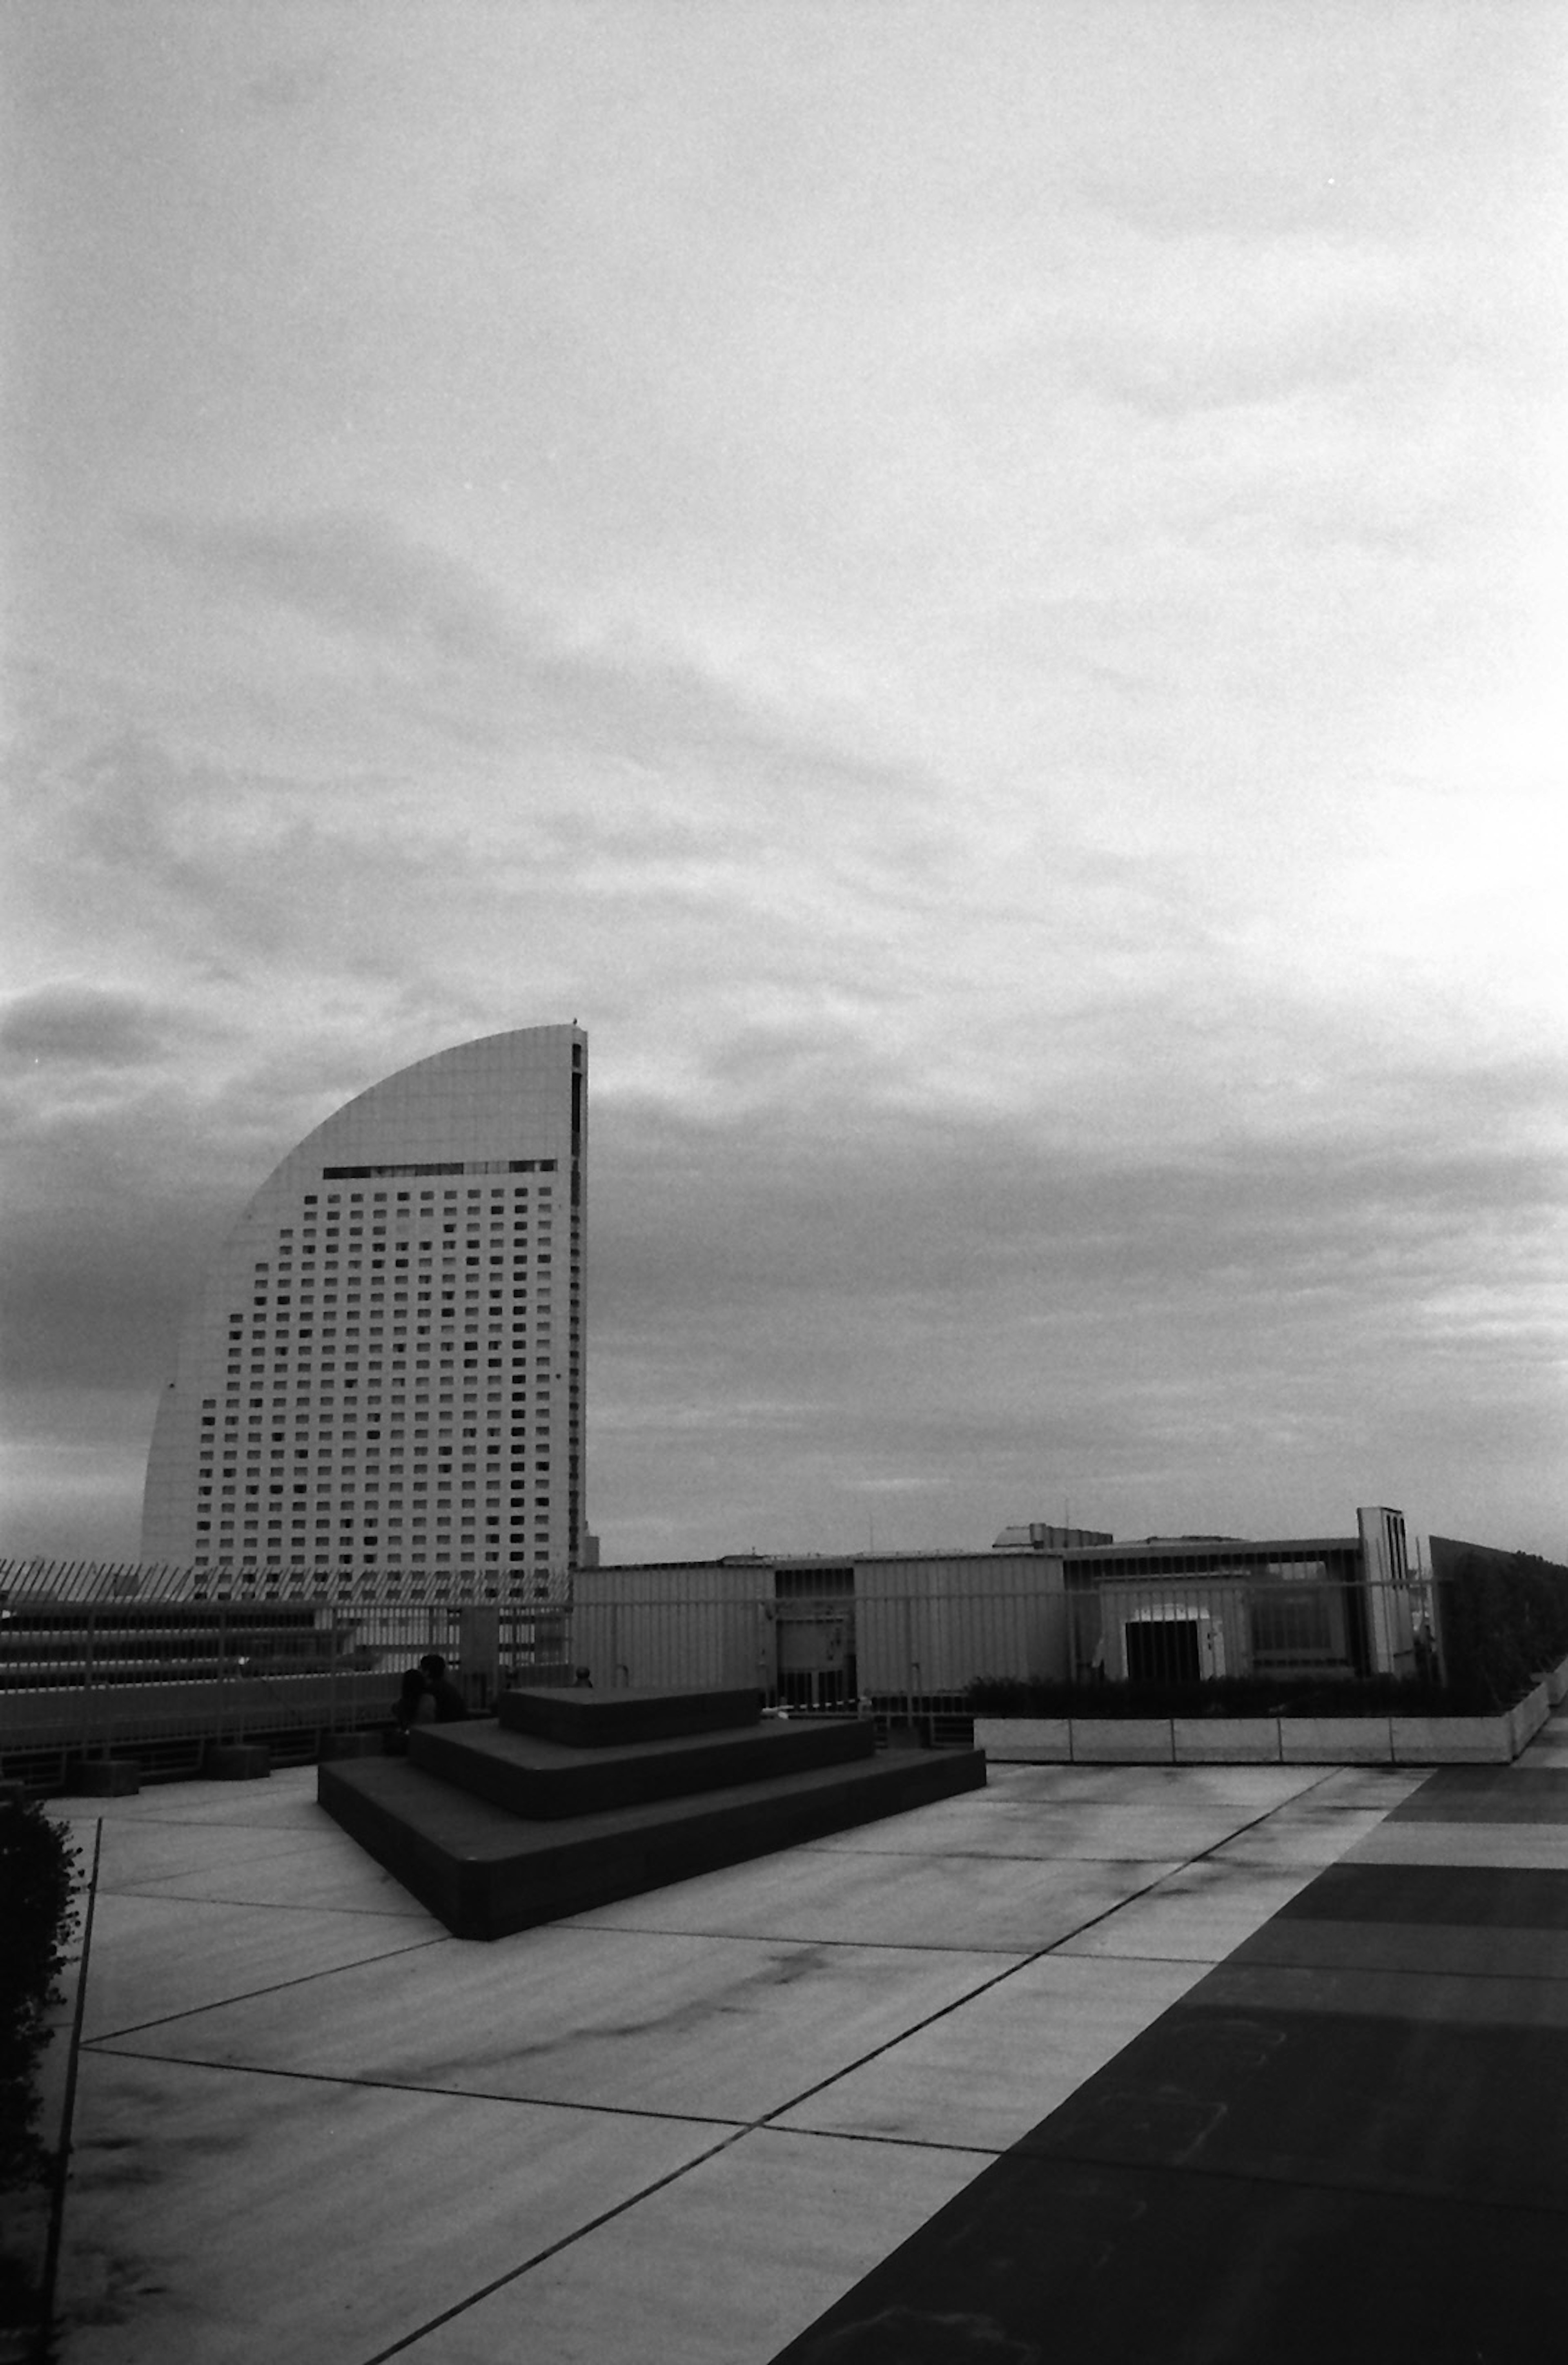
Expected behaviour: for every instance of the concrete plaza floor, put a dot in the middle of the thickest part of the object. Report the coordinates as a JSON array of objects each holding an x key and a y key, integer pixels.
[{"x": 308, "y": 2126}]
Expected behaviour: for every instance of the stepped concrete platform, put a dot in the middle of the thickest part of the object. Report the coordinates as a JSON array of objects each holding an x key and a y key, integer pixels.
[
  {"x": 497, "y": 1828},
  {"x": 590, "y": 1720},
  {"x": 549, "y": 1779}
]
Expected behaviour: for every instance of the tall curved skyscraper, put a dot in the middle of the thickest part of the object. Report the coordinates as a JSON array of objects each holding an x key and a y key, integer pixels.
[{"x": 385, "y": 1370}]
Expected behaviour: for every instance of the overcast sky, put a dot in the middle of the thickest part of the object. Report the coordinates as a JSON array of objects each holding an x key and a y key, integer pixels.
[{"x": 977, "y": 590}]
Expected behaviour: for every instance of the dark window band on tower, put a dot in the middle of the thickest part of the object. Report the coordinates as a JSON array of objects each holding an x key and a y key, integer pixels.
[
  {"x": 364, "y": 1174},
  {"x": 443, "y": 1166}
]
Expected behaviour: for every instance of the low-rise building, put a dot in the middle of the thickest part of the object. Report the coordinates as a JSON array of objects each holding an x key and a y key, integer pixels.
[{"x": 1043, "y": 1605}]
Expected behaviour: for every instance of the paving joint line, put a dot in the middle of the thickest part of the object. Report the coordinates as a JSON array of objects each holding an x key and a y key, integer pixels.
[
  {"x": 158, "y": 1895},
  {"x": 764, "y": 2124},
  {"x": 277, "y": 1986},
  {"x": 579, "y": 2233},
  {"x": 403, "y": 2086},
  {"x": 781, "y": 1938}
]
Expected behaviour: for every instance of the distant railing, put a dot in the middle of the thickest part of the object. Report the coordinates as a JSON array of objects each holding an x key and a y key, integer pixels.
[
  {"x": 160, "y": 1682},
  {"x": 86, "y": 1580},
  {"x": 160, "y": 1677}
]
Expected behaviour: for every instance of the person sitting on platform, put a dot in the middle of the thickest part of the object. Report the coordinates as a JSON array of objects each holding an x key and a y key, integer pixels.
[
  {"x": 449, "y": 1703},
  {"x": 415, "y": 1704}
]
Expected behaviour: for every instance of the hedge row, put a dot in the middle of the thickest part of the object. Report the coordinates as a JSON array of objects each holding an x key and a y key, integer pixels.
[
  {"x": 1226, "y": 1695},
  {"x": 1503, "y": 1617},
  {"x": 36, "y": 1921}
]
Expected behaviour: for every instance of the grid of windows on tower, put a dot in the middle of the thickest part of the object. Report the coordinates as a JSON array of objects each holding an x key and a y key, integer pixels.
[{"x": 402, "y": 1390}]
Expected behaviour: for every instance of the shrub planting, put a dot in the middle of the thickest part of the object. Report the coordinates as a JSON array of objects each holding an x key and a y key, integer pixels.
[
  {"x": 36, "y": 1921},
  {"x": 1227, "y": 1696},
  {"x": 1503, "y": 1617}
]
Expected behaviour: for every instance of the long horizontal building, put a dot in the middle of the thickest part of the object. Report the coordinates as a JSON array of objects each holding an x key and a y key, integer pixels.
[{"x": 1045, "y": 1605}]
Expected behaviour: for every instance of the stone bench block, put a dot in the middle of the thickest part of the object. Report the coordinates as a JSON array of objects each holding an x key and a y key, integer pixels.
[
  {"x": 236, "y": 1761},
  {"x": 105, "y": 1778}
]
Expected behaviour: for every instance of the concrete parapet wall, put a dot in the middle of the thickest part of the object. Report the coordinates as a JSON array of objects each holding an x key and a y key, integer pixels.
[
  {"x": 1527, "y": 1716},
  {"x": 1225, "y": 1740},
  {"x": 1336, "y": 1740},
  {"x": 1120, "y": 1740}
]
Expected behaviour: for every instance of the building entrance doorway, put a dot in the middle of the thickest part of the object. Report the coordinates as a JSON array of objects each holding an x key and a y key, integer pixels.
[
  {"x": 1162, "y": 1651},
  {"x": 815, "y": 1622}
]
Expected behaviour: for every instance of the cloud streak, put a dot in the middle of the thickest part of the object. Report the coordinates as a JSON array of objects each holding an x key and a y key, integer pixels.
[{"x": 81, "y": 1025}]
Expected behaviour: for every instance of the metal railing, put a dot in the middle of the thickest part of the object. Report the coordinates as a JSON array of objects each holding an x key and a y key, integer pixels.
[
  {"x": 160, "y": 1681},
  {"x": 83, "y": 1580}
]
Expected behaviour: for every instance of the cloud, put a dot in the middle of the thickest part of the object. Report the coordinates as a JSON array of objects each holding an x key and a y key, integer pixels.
[
  {"x": 87, "y": 1026},
  {"x": 828, "y": 1196},
  {"x": 72, "y": 1461},
  {"x": 236, "y": 881},
  {"x": 1007, "y": 1311},
  {"x": 410, "y": 656},
  {"x": 293, "y": 84},
  {"x": 101, "y": 1241},
  {"x": 349, "y": 572}
]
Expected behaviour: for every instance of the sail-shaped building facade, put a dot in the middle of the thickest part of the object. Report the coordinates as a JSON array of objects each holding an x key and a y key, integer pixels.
[{"x": 385, "y": 1368}]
